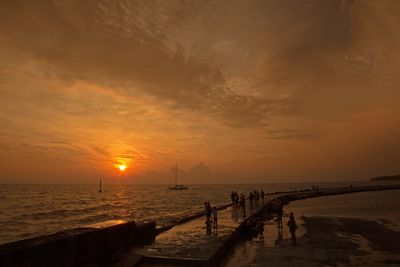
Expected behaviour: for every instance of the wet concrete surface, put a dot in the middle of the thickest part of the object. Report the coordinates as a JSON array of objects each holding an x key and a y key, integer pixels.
[
  {"x": 256, "y": 250},
  {"x": 192, "y": 243},
  {"x": 322, "y": 241},
  {"x": 193, "y": 240}
]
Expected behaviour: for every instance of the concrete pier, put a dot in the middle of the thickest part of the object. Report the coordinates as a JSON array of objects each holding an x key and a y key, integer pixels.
[{"x": 192, "y": 244}]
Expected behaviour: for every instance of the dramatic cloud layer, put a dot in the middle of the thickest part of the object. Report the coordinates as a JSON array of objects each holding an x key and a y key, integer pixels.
[{"x": 260, "y": 90}]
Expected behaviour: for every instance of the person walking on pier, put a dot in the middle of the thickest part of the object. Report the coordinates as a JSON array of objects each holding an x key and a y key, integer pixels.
[
  {"x": 292, "y": 227},
  {"x": 236, "y": 199},
  {"x": 262, "y": 195},
  {"x": 257, "y": 198}
]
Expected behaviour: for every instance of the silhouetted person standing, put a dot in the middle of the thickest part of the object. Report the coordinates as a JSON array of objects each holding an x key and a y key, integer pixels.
[
  {"x": 208, "y": 212},
  {"x": 242, "y": 204},
  {"x": 292, "y": 227},
  {"x": 251, "y": 197},
  {"x": 236, "y": 199},
  {"x": 257, "y": 198}
]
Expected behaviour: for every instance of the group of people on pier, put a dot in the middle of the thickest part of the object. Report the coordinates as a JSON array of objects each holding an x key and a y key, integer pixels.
[
  {"x": 254, "y": 197},
  {"x": 239, "y": 201}
]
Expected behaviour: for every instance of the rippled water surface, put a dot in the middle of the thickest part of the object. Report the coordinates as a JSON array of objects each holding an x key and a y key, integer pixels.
[{"x": 33, "y": 210}]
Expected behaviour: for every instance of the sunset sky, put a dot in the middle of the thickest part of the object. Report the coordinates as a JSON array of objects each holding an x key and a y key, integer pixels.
[{"x": 232, "y": 91}]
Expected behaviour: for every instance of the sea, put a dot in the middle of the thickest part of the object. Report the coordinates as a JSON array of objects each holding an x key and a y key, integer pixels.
[{"x": 32, "y": 210}]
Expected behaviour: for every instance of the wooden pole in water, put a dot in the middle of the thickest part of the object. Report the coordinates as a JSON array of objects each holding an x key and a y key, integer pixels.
[
  {"x": 100, "y": 187},
  {"x": 176, "y": 174}
]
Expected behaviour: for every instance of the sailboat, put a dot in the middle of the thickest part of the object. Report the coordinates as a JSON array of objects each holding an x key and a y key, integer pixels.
[{"x": 177, "y": 186}]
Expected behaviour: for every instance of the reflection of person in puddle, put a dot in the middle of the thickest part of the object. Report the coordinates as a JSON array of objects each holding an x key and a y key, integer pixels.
[
  {"x": 215, "y": 219},
  {"x": 278, "y": 241},
  {"x": 260, "y": 229},
  {"x": 292, "y": 227},
  {"x": 279, "y": 215},
  {"x": 208, "y": 227},
  {"x": 235, "y": 213}
]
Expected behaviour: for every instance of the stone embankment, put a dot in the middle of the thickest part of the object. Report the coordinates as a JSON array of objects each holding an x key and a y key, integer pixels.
[{"x": 77, "y": 247}]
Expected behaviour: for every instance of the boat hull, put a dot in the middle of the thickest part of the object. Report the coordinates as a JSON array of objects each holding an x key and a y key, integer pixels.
[{"x": 178, "y": 187}]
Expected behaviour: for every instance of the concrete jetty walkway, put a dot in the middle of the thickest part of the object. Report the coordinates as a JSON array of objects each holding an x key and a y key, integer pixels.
[{"x": 192, "y": 244}]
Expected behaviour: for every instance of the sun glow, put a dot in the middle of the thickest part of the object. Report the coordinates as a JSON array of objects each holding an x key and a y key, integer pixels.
[{"x": 120, "y": 166}]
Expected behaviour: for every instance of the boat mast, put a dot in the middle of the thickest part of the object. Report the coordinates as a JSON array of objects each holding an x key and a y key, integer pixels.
[{"x": 176, "y": 174}]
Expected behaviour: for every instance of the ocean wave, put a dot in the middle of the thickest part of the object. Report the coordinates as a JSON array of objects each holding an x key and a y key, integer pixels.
[{"x": 61, "y": 213}]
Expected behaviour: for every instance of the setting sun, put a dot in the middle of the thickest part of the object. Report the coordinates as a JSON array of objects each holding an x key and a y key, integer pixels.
[{"x": 120, "y": 166}]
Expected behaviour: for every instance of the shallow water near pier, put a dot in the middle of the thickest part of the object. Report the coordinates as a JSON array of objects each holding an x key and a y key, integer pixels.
[{"x": 381, "y": 204}]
